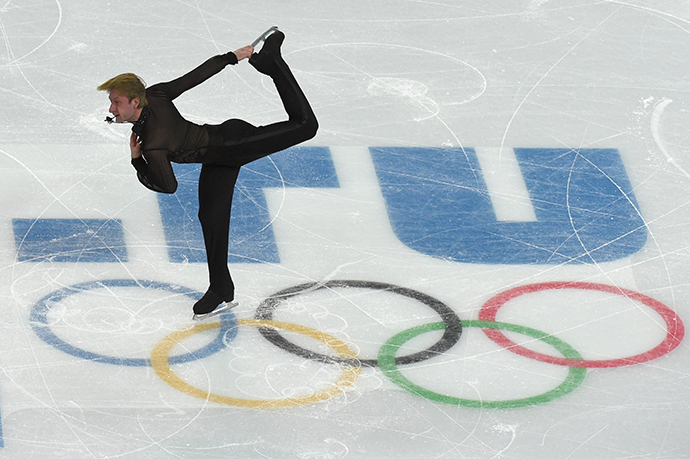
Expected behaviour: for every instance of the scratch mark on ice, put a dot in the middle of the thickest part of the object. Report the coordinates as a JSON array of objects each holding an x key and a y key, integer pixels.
[{"x": 656, "y": 116}]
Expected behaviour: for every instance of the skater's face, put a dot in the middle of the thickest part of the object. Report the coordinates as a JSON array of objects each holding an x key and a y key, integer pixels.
[{"x": 122, "y": 108}]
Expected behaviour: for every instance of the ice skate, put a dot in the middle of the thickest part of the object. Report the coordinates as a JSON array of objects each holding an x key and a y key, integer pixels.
[
  {"x": 265, "y": 60},
  {"x": 263, "y": 36},
  {"x": 219, "y": 310},
  {"x": 210, "y": 303}
]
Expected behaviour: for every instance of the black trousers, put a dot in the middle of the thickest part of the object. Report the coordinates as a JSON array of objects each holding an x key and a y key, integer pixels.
[{"x": 233, "y": 144}]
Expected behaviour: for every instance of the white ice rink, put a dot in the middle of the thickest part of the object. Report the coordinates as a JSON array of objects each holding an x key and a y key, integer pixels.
[{"x": 482, "y": 254}]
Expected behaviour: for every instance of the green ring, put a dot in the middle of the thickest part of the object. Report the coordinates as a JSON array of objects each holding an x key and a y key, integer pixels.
[{"x": 387, "y": 353}]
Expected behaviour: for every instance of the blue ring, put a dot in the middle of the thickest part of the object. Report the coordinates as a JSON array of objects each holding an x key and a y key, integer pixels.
[{"x": 39, "y": 322}]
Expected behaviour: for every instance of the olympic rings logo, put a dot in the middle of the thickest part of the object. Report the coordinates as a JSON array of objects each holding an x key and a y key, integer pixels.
[{"x": 387, "y": 360}]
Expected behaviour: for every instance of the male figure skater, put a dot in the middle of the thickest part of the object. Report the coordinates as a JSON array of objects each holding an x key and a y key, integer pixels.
[{"x": 160, "y": 135}]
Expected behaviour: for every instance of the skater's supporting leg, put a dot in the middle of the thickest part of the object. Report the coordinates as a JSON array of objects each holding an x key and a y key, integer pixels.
[{"x": 216, "y": 186}]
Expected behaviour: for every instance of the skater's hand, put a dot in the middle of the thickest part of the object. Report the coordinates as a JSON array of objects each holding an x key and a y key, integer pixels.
[
  {"x": 135, "y": 145},
  {"x": 244, "y": 52}
]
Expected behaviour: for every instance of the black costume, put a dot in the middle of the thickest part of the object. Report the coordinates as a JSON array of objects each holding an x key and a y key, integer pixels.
[{"x": 221, "y": 149}]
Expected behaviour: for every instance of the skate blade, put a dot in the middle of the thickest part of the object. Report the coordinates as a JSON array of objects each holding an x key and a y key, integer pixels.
[
  {"x": 215, "y": 312},
  {"x": 264, "y": 35}
]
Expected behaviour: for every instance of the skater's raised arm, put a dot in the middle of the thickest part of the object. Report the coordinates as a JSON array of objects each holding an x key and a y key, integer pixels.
[
  {"x": 203, "y": 72},
  {"x": 210, "y": 67}
]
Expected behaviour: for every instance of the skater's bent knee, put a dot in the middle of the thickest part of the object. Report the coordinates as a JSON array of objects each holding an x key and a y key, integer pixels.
[{"x": 309, "y": 127}]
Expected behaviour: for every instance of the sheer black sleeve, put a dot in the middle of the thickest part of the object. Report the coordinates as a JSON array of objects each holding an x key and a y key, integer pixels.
[
  {"x": 197, "y": 76},
  {"x": 155, "y": 172}
]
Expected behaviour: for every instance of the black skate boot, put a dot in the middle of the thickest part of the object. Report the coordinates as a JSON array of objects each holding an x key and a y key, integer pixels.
[
  {"x": 211, "y": 304},
  {"x": 265, "y": 60}
]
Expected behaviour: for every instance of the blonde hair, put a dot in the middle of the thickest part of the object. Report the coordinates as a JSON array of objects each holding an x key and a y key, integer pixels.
[{"x": 130, "y": 85}]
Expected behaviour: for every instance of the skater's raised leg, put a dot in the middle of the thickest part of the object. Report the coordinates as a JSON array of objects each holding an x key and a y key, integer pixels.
[{"x": 237, "y": 142}]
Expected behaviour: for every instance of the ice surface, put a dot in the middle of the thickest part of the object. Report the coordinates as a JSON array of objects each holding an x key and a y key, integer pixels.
[{"x": 529, "y": 156}]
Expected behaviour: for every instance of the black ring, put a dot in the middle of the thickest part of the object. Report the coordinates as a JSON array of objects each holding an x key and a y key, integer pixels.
[{"x": 451, "y": 334}]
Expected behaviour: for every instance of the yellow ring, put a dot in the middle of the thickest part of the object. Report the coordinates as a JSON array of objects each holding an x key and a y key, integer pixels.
[{"x": 160, "y": 353}]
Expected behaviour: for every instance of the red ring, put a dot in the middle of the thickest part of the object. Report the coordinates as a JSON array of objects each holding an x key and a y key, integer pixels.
[{"x": 674, "y": 326}]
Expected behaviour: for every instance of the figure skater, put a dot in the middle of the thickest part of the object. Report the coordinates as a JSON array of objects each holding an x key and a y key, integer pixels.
[{"x": 160, "y": 135}]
